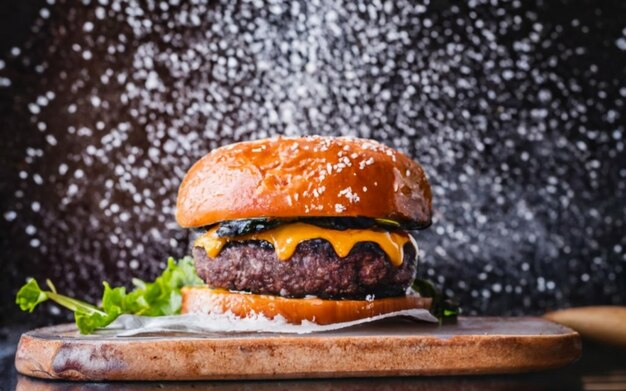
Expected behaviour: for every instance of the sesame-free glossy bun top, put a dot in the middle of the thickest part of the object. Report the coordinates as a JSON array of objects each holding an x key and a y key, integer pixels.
[{"x": 304, "y": 177}]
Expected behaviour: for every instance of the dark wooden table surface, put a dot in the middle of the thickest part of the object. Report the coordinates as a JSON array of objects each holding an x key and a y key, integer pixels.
[{"x": 600, "y": 368}]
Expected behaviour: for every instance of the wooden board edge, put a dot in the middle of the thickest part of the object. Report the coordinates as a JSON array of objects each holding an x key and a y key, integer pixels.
[{"x": 288, "y": 358}]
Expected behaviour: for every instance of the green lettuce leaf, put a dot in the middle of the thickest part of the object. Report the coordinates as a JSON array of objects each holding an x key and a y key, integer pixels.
[{"x": 157, "y": 298}]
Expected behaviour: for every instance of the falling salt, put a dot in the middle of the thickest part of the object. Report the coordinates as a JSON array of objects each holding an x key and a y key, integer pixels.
[{"x": 515, "y": 113}]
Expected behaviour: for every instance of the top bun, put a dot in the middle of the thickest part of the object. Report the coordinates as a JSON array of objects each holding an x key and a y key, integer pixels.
[{"x": 304, "y": 177}]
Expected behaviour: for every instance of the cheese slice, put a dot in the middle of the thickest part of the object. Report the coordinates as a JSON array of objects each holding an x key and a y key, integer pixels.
[{"x": 286, "y": 237}]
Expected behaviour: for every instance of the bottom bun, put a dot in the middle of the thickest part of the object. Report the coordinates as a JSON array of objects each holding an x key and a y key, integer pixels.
[{"x": 208, "y": 301}]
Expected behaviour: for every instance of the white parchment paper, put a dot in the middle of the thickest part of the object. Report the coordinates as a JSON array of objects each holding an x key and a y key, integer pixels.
[{"x": 131, "y": 325}]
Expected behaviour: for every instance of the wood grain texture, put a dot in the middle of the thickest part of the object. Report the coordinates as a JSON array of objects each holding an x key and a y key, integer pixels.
[{"x": 395, "y": 347}]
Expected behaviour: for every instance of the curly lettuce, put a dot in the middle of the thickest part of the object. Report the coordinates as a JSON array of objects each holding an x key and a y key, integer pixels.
[{"x": 157, "y": 298}]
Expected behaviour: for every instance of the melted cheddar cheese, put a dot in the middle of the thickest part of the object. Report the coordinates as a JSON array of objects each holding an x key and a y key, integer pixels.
[{"x": 285, "y": 238}]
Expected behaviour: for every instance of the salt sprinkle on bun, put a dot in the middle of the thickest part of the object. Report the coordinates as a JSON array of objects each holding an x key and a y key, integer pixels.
[{"x": 304, "y": 177}]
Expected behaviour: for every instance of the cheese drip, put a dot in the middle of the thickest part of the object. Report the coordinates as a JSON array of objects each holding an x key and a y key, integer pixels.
[{"x": 285, "y": 238}]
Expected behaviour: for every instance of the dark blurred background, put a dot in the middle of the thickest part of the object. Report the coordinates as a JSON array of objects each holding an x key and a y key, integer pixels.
[{"x": 514, "y": 108}]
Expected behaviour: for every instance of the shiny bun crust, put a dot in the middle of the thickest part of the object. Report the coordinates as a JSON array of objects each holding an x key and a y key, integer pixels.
[
  {"x": 308, "y": 176},
  {"x": 203, "y": 300}
]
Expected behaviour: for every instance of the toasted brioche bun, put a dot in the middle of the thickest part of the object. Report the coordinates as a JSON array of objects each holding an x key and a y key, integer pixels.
[
  {"x": 300, "y": 177},
  {"x": 206, "y": 301}
]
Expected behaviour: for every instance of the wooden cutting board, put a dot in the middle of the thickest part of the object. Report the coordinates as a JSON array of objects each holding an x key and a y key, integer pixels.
[{"x": 392, "y": 347}]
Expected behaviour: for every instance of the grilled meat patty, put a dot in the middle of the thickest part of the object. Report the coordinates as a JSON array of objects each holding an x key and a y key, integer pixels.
[{"x": 313, "y": 269}]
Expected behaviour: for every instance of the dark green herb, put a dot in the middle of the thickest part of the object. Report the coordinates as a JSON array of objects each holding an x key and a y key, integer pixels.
[
  {"x": 442, "y": 307},
  {"x": 340, "y": 223},
  {"x": 343, "y": 223},
  {"x": 388, "y": 223},
  {"x": 240, "y": 227},
  {"x": 245, "y": 226}
]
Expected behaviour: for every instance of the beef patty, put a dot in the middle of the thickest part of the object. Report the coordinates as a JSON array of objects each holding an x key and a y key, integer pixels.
[{"x": 313, "y": 269}]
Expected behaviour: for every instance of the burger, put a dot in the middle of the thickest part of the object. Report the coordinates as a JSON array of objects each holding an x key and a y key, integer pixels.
[{"x": 312, "y": 229}]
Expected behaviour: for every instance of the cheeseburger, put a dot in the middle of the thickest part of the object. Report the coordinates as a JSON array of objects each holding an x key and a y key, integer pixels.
[{"x": 309, "y": 229}]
